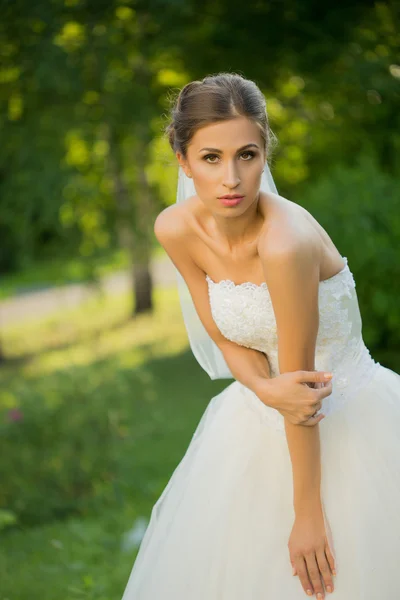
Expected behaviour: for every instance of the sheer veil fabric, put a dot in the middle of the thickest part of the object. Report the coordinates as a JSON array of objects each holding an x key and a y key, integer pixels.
[{"x": 206, "y": 352}]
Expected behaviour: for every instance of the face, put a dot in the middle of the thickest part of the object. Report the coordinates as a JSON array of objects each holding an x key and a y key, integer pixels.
[{"x": 226, "y": 158}]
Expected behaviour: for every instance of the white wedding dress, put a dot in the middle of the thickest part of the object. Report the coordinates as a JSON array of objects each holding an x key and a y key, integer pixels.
[{"x": 220, "y": 529}]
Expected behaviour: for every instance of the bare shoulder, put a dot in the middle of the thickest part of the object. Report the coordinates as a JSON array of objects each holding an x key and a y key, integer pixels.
[
  {"x": 290, "y": 237},
  {"x": 172, "y": 223}
]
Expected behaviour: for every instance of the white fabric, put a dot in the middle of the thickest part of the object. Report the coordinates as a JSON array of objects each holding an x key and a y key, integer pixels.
[
  {"x": 219, "y": 530},
  {"x": 244, "y": 314},
  {"x": 207, "y": 353}
]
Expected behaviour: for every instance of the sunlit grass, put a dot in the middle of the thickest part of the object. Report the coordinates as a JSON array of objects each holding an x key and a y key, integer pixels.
[
  {"x": 128, "y": 394},
  {"x": 97, "y": 329}
]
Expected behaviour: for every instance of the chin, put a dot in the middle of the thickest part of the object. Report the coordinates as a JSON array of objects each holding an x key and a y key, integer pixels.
[{"x": 234, "y": 211}]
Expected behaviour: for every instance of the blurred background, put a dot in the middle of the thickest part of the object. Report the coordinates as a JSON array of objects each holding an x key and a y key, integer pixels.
[{"x": 92, "y": 344}]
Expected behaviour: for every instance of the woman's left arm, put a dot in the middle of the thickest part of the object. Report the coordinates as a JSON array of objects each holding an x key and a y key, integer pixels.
[{"x": 292, "y": 274}]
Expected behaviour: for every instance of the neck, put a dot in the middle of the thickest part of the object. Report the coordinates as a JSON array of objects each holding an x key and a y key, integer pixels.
[{"x": 235, "y": 231}]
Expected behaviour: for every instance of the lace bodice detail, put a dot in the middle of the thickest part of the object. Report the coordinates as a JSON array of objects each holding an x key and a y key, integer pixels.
[{"x": 244, "y": 314}]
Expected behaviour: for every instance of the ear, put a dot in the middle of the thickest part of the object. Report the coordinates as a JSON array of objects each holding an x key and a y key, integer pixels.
[{"x": 183, "y": 163}]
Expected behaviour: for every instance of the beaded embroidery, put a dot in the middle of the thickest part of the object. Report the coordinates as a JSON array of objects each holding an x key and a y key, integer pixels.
[{"x": 244, "y": 314}]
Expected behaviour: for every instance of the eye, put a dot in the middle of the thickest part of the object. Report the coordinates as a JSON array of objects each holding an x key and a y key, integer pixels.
[
  {"x": 209, "y": 156},
  {"x": 248, "y": 152},
  {"x": 251, "y": 154}
]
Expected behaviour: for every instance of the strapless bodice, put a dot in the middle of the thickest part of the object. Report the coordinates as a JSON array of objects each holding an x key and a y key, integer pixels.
[{"x": 244, "y": 314}]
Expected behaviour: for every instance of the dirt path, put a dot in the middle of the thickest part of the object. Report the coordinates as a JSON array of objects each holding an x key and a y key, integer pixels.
[{"x": 24, "y": 307}]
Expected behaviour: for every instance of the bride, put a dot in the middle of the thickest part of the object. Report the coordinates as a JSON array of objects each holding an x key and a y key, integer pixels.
[{"x": 290, "y": 485}]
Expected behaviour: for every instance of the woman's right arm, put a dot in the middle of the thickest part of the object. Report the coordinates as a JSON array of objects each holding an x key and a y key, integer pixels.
[{"x": 248, "y": 366}]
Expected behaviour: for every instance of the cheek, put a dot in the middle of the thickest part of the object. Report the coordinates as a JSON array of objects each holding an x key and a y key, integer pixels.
[
  {"x": 206, "y": 178},
  {"x": 258, "y": 167}
]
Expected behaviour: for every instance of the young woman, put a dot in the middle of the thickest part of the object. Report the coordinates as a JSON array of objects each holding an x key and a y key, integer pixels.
[{"x": 269, "y": 488}]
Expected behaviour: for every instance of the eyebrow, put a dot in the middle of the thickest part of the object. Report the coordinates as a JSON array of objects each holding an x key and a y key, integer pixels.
[{"x": 217, "y": 150}]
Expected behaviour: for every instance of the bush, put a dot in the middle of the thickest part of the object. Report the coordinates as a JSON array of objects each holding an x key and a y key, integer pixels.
[
  {"x": 98, "y": 437},
  {"x": 57, "y": 456},
  {"x": 360, "y": 210}
]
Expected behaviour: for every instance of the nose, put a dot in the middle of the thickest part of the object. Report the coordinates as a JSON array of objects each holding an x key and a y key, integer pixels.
[{"x": 231, "y": 177}]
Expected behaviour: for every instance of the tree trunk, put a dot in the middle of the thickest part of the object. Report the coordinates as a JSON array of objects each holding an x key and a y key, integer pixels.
[
  {"x": 142, "y": 287},
  {"x": 2, "y": 355},
  {"x": 124, "y": 205},
  {"x": 134, "y": 220},
  {"x": 142, "y": 278}
]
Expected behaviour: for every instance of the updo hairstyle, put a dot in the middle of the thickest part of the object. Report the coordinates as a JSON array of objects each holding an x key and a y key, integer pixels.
[{"x": 217, "y": 98}]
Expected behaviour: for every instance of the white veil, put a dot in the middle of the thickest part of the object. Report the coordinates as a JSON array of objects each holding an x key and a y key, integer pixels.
[{"x": 205, "y": 350}]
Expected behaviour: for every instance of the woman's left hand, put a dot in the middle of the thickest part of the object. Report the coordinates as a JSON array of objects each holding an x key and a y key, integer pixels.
[{"x": 311, "y": 556}]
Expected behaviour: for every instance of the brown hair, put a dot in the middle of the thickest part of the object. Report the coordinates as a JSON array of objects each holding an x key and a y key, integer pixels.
[{"x": 217, "y": 98}]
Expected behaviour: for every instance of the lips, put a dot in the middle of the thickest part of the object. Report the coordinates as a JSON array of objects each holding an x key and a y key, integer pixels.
[
  {"x": 231, "y": 201},
  {"x": 231, "y": 197}
]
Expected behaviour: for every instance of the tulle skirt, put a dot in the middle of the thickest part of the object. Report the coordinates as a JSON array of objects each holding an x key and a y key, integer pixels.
[{"x": 220, "y": 529}]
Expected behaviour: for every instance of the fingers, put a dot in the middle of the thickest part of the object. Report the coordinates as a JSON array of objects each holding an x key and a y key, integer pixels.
[
  {"x": 313, "y": 376},
  {"x": 294, "y": 570},
  {"x": 301, "y": 568},
  {"x": 315, "y": 575},
  {"x": 324, "y": 392},
  {"x": 325, "y": 569},
  {"x": 331, "y": 559},
  {"x": 319, "y": 394},
  {"x": 318, "y": 385},
  {"x": 313, "y": 421},
  {"x": 316, "y": 406}
]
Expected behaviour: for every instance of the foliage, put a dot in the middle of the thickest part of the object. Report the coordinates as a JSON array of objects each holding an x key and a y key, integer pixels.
[
  {"x": 85, "y": 415},
  {"x": 359, "y": 208},
  {"x": 84, "y": 85},
  {"x": 7, "y": 518},
  {"x": 72, "y": 559},
  {"x": 91, "y": 421}
]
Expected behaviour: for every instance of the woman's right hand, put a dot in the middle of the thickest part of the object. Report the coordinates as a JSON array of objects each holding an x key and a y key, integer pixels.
[{"x": 297, "y": 395}]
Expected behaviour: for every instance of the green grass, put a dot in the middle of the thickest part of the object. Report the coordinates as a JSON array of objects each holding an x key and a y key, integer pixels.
[
  {"x": 80, "y": 558},
  {"x": 104, "y": 425},
  {"x": 109, "y": 406}
]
